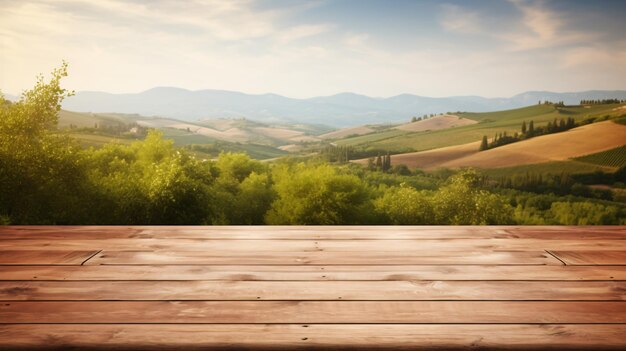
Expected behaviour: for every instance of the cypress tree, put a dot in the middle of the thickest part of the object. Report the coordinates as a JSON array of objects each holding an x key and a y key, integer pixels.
[
  {"x": 387, "y": 162},
  {"x": 379, "y": 163},
  {"x": 531, "y": 128},
  {"x": 524, "y": 127},
  {"x": 484, "y": 145}
]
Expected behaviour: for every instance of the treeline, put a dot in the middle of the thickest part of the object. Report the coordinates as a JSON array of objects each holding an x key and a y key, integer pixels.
[
  {"x": 602, "y": 102},
  {"x": 562, "y": 184},
  {"x": 124, "y": 130},
  {"x": 529, "y": 131},
  {"x": 336, "y": 154},
  {"x": 46, "y": 178},
  {"x": 380, "y": 163},
  {"x": 557, "y": 104}
]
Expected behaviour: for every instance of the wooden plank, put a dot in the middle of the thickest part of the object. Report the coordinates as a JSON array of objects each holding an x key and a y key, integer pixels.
[
  {"x": 47, "y": 257},
  {"x": 302, "y": 312},
  {"x": 253, "y": 233},
  {"x": 314, "y": 233},
  {"x": 323, "y": 257},
  {"x": 320, "y": 290},
  {"x": 313, "y": 272},
  {"x": 315, "y": 336},
  {"x": 262, "y": 228},
  {"x": 315, "y": 245},
  {"x": 592, "y": 257}
]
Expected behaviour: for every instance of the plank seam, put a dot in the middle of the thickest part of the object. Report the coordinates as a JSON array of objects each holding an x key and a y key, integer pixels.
[
  {"x": 90, "y": 257},
  {"x": 555, "y": 256}
]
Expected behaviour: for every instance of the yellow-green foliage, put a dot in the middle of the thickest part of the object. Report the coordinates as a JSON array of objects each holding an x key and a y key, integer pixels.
[
  {"x": 317, "y": 194},
  {"x": 584, "y": 213},
  {"x": 462, "y": 201},
  {"x": 45, "y": 177},
  {"x": 406, "y": 205}
]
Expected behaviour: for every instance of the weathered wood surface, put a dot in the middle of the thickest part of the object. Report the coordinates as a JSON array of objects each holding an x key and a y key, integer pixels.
[
  {"x": 313, "y": 272},
  {"x": 166, "y": 287},
  {"x": 298, "y": 312},
  {"x": 317, "y": 336},
  {"x": 391, "y": 257},
  {"x": 313, "y": 290}
]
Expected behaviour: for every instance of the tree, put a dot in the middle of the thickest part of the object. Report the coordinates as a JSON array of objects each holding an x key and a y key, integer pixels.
[
  {"x": 40, "y": 170},
  {"x": 484, "y": 145},
  {"x": 386, "y": 162},
  {"x": 462, "y": 201},
  {"x": 379, "y": 163},
  {"x": 318, "y": 194},
  {"x": 405, "y": 205},
  {"x": 524, "y": 127},
  {"x": 531, "y": 128},
  {"x": 151, "y": 182},
  {"x": 414, "y": 119}
]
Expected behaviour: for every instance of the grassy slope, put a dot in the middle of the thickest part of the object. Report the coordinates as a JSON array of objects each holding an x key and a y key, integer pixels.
[
  {"x": 554, "y": 167},
  {"x": 257, "y": 149},
  {"x": 579, "y": 141},
  {"x": 436, "y": 123},
  {"x": 88, "y": 140},
  {"x": 85, "y": 119},
  {"x": 489, "y": 124},
  {"x": 610, "y": 158}
]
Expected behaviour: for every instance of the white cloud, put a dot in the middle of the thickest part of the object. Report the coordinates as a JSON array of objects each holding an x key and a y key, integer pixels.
[
  {"x": 302, "y": 31},
  {"x": 459, "y": 20},
  {"x": 594, "y": 56},
  {"x": 131, "y": 46},
  {"x": 543, "y": 28}
]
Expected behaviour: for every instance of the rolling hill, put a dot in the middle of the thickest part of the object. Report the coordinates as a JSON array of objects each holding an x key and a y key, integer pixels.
[
  {"x": 436, "y": 123},
  {"x": 489, "y": 123},
  {"x": 585, "y": 140},
  {"x": 241, "y": 130},
  {"x": 340, "y": 110},
  {"x": 258, "y": 140},
  {"x": 346, "y": 132}
]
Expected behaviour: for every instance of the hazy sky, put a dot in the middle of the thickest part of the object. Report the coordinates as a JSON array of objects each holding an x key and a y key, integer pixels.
[{"x": 310, "y": 48}]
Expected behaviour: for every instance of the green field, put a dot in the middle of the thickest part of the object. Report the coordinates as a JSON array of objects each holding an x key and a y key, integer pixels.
[
  {"x": 610, "y": 158},
  {"x": 88, "y": 120},
  {"x": 212, "y": 147},
  {"x": 555, "y": 167},
  {"x": 490, "y": 123},
  {"x": 94, "y": 140}
]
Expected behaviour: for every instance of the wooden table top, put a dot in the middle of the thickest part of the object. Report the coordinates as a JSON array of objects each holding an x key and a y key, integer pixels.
[{"x": 326, "y": 287}]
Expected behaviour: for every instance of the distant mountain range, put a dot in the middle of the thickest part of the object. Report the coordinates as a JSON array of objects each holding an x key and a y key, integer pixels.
[{"x": 345, "y": 109}]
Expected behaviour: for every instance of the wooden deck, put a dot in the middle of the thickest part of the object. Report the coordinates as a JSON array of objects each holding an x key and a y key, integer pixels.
[{"x": 313, "y": 287}]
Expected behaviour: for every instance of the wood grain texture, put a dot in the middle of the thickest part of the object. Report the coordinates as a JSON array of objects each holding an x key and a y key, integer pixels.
[
  {"x": 591, "y": 257},
  {"x": 313, "y": 273},
  {"x": 320, "y": 290},
  {"x": 44, "y": 257},
  {"x": 306, "y": 245},
  {"x": 354, "y": 287},
  {"x": 298, "y": 312},
  {"x": 315, "y": 336},
  {"x": 456, "y": 257},
  {"x": 313, "y": 232}
]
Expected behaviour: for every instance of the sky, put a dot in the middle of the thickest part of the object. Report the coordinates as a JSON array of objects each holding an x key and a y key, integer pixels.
[{"x": 317, "y": 47}]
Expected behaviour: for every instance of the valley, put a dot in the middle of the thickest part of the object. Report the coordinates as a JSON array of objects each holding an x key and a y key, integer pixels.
[{"x": 429, "y": 142}]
